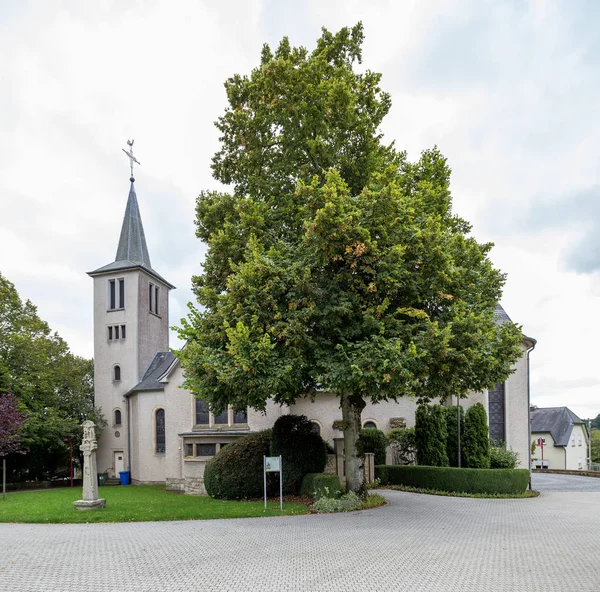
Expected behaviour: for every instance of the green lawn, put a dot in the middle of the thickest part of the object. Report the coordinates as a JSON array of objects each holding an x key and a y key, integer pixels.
[{"x": 132, "y": 504}]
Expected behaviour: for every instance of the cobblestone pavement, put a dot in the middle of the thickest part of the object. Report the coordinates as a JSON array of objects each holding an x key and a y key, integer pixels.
[
  {"x": 557, "y": 482},
  {"x": 416, "y": 542}
]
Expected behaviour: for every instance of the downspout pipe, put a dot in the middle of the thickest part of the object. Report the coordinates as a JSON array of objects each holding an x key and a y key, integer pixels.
[{"x": 532, "y": 342}]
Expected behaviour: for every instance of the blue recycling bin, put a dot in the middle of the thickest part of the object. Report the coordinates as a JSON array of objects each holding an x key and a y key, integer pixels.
[{"x": 124, "y": 476}]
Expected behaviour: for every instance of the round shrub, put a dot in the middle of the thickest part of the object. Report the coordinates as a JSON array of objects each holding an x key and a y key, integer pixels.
[
  {"x": 501, "y": 458},
  {"x": 302, "y": 450},
  {"x": 373, "y": 440},
  {"x": 236, "y": 472},
  {"x": 431, "y": 435},
  {"x": 476, "y": 443}
]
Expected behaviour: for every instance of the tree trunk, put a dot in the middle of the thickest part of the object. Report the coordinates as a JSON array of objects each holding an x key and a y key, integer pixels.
[
  {"x": 352, "y": 406},
  {"x": 3, "y": 478}
]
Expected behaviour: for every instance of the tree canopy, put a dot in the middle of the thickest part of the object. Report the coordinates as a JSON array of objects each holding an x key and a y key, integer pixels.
[
  {"x": 334, "y": 263},
  {"x": 54, "y": 387}
]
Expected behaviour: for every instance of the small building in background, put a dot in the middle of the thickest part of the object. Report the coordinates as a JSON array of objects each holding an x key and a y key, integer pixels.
[{"x": 561, "y": 439}]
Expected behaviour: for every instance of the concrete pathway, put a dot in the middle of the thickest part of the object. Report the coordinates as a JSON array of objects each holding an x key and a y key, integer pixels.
[
  {"x": 416, "y": 542},
  {"x": 557, "y": 482}
]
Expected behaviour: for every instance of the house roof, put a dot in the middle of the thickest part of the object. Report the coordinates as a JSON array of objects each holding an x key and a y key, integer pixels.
[
  {"x": 132, "y": 251},
  {"x": 559, "y": 421},
  {"x": 500, "y": 315},
  {"x": 151, "y": 381}
]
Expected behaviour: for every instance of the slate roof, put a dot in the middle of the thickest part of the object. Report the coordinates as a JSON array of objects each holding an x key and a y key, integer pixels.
[
  {"x": 559, "y": 421},
  {"x": 500, "y": 315},
  {"x": 132, "y": 251},
  {"x": 150, "y": 381}
]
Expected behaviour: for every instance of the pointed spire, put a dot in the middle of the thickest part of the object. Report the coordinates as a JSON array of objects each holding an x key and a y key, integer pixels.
[{"x": 132, "y": 243}]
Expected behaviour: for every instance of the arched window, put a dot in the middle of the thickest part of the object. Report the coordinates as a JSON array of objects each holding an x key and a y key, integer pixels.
[
  {"x": 160, "y": 431},
  {"x": 117, "y": 417},
  {"x": 370, "y": 425},
  {"x": 117, "y": 373},
  {"x": 316, "y": 428}
]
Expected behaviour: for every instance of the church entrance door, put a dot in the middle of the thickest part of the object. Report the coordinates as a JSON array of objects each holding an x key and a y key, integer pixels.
[{"x": 119, "y": 462}]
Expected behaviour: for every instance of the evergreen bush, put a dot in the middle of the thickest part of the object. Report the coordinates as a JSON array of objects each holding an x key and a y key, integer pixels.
[
  {"x": 476, "y": 443},
  {"x": 302, "y": 449},
  {"x": 501, "y": 458},
  {"x": 452, "y": 437},
  {"x": 452, "y": 479},
  {"x": 236, "y": 472},
  {"x": 431, "y": 435},
  {"x": 373, "y": 440},
  {"x": 319, "y": 485},
  {"x": 402, "y": 446}
]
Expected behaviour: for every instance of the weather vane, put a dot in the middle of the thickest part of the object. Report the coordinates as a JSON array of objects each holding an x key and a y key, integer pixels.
[{"x": 132, "y": 158}]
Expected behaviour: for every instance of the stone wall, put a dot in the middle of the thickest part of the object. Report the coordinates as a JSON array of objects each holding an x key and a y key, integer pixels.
[
  {"x": 194, "y": 486},
  {"x": 173, "y": 484}
]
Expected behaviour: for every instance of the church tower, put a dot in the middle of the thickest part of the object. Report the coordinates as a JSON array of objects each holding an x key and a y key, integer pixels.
[{"x": 131, "y": 324}]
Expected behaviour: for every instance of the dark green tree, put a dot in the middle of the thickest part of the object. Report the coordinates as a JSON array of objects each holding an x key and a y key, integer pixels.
[
  {"x": 431, "y": 435},
  {"x": 334, "y": 262},
  {"x": 373, "y": 440},
  {"x": 54, "y": 387},
  {"x": 476, "y": 442},
  {"x": 452, "y": 429},
  {"x": 301, "y": 448}
]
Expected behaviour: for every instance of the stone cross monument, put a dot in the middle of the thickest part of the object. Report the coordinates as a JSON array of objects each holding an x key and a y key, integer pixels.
[{"x": 90, "y": 499}]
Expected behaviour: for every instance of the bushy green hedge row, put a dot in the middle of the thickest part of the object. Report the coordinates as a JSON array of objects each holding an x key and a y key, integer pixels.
[
  {"x": 451, "y": 479},
  {"x": 320, "y": 485},
  {"x": 373, "y": 440}
]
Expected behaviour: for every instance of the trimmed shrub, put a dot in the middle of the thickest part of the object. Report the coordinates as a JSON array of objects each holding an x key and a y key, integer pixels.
[
  {"x": 319, "y": 485},
  {"x": 373, "y": 440},
  {"x": 501, "y": 458},
  {"x": 476, "y": 443},
  {"x": 402, "y": 446},
  {"x": 431, "y": 435},
  {"x": 348, "y": 502},
  {"x": 303, "y": 451},
  {"x": 452, "y": 479},
  {"x": 236, "y": 472},
  {"x": 452, "y": 437}
]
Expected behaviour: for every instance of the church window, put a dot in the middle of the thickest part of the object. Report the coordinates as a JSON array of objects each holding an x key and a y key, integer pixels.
[
  {"x": 117, "y": 373},
  {"x": 117, "y": 417},
  {"x": 202, "y": 412},
  {"x": 222, "y": 418},
  {"x": 189, "y": 450},
  {"x": 370, "y": 425},
  {"x": 240, "y": 416},
  {"x": 206, "y": 449},
  {"x": 316, "y": 428},
  {"x": 116, "y": 294},
  {"x": 160, "y": 431},
  {"x": 497, "y": 410},
  {"x": 116, "y": 332},
  {"x": 153, "y": 298}
]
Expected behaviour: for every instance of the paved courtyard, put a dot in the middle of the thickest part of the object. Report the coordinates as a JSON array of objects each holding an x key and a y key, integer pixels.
[{"x": 416, "y": 542}]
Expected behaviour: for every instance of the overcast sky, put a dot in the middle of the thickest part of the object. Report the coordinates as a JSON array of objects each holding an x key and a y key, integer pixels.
[{"x": 507, "y": 90}]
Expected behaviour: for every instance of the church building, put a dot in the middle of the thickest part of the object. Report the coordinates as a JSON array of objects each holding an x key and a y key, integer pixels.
[{"x": 162, "y": 434}]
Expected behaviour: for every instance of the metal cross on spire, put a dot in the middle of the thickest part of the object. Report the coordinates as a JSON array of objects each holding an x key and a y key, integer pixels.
[{"x": 132, "y": 158}]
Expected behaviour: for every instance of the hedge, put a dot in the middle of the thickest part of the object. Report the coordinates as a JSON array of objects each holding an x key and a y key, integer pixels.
[
  {"x": 319, "y": 485},
  {"x": 373, "y": 440},
  {"x": 452, "y": 479}
]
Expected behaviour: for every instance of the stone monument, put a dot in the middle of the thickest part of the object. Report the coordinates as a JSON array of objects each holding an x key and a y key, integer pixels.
[{"x": 90, "y": 499}]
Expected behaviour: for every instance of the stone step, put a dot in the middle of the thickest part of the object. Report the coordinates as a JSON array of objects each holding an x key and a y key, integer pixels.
[{"x": 112, "y": 482}]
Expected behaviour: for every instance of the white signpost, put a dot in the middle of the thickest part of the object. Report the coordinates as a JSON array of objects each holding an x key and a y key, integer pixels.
[{"x": 272, "y": 464}]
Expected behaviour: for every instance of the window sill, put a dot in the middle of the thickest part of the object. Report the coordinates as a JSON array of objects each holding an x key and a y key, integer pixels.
[
  {"x": 115, "y": 309},
  {"x": 197, "y": 458},
  {"x": 154, "y": 314}
]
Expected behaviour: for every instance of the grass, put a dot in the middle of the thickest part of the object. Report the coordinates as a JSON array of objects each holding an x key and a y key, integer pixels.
[
  {"x": 526, "y": 494},
  {"x": 133, "y": 504}
]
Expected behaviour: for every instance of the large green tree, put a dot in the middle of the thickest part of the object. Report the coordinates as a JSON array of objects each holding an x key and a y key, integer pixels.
[
  {"x": 334, "y": 262},
  {"x": 54, "y": 387}
]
